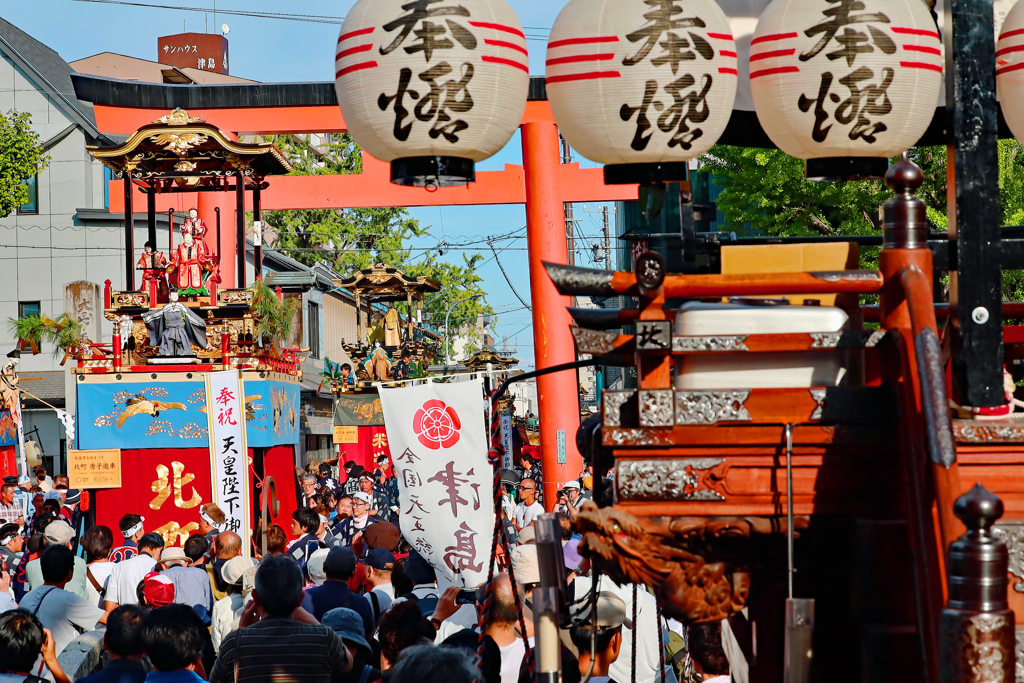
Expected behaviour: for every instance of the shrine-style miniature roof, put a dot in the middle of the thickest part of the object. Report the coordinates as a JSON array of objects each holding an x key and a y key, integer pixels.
[
  {"x": 181, "y": 146},
  {"x": 480, "y": 359},
  {"x": 384, "y": 283}
]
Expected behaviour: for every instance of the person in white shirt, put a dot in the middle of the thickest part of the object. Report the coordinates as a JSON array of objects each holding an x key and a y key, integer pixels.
[
  {"x": 56, "y": 608},
  {"x": 227, "y": 611},
  {"x": 59, "y": 532},
  {"x": 97, "y": 542},
  {"x": 529, "y": 509},
  {"x": 122, "y": 588},
  {"x": 708, "y": 653},
  {"x": 378, "y": 567}
]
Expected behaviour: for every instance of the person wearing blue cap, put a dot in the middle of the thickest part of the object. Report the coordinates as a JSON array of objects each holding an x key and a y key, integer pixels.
[
  {"x": 339, "y": 567},
  {"x": 380, "y": 562},
  {"x": 348, "y": 625}
]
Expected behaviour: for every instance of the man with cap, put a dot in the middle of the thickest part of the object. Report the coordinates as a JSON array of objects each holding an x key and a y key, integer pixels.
[
  {"x": 59, "y": 532},
  {"x": 378, "y": 566},
  {"x": 597, "y": 635},
  {"x": 338, "y": 568},
  {"x": 191, "y": 584},
  {"x": 345, "y": 530},
  {"x": 424, "y": 582},
  {"x": 9, "y": 510},
  {"x": 58, "y": 609},
  {"x": 571, "y": 499},
  {"x": 157, "y": 590},
  {"x": 348, "y": 625},
  {"x": 122, "y": 588},
  {"x": 132, "y": 529}
]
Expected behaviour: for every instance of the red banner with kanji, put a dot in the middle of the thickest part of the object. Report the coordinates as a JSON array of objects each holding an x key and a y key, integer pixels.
[{"x": 373, "y": 442}]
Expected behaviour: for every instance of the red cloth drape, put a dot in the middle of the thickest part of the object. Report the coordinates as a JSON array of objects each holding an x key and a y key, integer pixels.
[
  {"x": 8, "y": 461},
  {"x": 373, "y": 441}
]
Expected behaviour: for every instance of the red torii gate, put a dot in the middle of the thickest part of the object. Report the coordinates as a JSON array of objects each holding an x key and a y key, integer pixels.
[{"x": 542, "y": 183}]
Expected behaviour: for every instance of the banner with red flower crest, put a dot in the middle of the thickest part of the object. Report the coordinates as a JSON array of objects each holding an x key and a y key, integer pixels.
[{"x": 439, "y": 450}]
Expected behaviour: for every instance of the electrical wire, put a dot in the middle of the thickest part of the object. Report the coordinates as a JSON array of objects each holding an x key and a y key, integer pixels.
[{"x": 505, "y": 275}]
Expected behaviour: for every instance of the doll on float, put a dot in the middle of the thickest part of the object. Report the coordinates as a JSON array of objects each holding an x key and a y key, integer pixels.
[{"x": 192, "y": 264}]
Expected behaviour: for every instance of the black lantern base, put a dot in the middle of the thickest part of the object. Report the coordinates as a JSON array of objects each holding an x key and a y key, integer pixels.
[
  {"x": 840, "y": 169},
  {"x": 432, "y": 171},
  {"x": 646, "y": 174}
]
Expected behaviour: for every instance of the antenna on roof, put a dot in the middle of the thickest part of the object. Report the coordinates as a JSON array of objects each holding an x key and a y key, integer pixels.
[{"x": 225, "y": 29}]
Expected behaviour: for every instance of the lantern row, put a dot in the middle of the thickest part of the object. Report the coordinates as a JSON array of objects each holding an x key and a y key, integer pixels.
[{"x": 643, "y": 86}]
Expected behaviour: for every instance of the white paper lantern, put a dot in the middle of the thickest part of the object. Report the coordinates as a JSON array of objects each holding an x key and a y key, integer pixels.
[
  {"x": 842, "y": 80},
  {"x": 432, "y": 86},
  {"x": 1010, "y": 70},
  {"x": 638, "y": 82}
]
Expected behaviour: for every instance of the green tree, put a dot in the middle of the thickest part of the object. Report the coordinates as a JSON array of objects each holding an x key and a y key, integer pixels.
[
  {"x": 766, "y": 188},
  {"x": 21, "y": 157},
  {"x": 353, "y": 239}
]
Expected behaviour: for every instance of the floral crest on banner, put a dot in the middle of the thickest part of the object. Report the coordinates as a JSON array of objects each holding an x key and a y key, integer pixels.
[{"x": 439, "y": 448}]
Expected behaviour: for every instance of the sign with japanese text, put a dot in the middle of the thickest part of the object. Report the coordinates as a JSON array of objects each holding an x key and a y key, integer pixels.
[
  {"x": 97, "y": 469},
  {"x": 507, "y": 443},
  {"x": 228, "y": 450},
  {"x": 206, "y": 51},
  {"x": 432, "y": 77},
  {"x": 846, "y": 78},
  {"x": 346, "y": 435},
  {"x": 439, "y": 451}
]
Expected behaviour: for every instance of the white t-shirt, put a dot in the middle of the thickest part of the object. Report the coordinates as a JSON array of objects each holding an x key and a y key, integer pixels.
[
  {"x": 226, "y": 613},
  {"x": 123, "y": 586},
  {"x": 385, "y": 594},
  {"x": 511, "y": 660},
  {"x": 101, "y": 572},
  {"x": 524, "y": 515},
  {"x": 60, "y": 611}
]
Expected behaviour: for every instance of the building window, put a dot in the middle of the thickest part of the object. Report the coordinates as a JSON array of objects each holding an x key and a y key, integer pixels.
[
  {"x": 314, "y": 330},
  {"x": 31, "y": 205},
  {"x": 28, "y": 309}
]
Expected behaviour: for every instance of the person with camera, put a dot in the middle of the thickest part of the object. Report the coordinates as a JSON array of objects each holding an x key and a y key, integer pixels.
[
  {"x": 23, "y": 640},
  {"x": 570, "y": 499}
]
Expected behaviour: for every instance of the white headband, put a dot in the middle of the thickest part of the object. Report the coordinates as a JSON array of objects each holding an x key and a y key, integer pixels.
[
  {"x": 135, "y": 529},
  {"x": 209, "y": 520},
  {"x": 8, "y": 539}
]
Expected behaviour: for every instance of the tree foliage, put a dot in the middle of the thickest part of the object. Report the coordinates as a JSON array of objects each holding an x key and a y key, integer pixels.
[
  {"x": 21, "y": 157},
  {"x": 766, "y": 188},
  {"x": 348, "y": 240}
]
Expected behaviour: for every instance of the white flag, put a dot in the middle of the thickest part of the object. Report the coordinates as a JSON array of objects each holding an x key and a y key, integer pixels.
[
  {"x": 439, "y": 449},
  {"x": 225, "y": 409}
]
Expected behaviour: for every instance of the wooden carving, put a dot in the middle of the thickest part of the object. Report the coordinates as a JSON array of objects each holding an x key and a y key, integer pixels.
[{"x": 697, "y": 566}]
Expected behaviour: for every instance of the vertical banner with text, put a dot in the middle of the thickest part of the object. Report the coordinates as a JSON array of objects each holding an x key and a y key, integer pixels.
[
  {"x": 225, "y": 400},
  {"x": 506, "y": 441},
  {"x": 439, "y": 450}
]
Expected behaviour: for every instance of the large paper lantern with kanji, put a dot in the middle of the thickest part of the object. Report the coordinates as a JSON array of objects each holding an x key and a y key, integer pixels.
[
  {"x": 642, "y": 86},
  {"x": 845, "y": 84},
  {"x": 1010, "y": 70},
  {"x": 432, "y": 86}
]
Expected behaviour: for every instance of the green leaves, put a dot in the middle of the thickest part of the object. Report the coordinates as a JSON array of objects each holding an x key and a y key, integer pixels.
[{"x": 21, "y": 157}]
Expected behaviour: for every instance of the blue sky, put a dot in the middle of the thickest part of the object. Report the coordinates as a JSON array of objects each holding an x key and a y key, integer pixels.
[{"x": 272, "y": 50}]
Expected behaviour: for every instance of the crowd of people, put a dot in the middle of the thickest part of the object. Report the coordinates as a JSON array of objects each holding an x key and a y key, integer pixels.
[{"x": 340, "y": 596}]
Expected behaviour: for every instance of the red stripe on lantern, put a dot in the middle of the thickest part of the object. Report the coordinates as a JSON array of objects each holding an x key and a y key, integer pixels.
[
  {"x": 720, "y": 36},
  {"x": 354, "y": 50},
  {"x": 776, "y": 70},
  {"x": 727, "y": 53},
  {"x": 1007, "y": 50},
  {"x": 906, "y": 30},
  {"x": 1011, "y": 34},
  {"x": 773, "y": 37},
  {"x": 1007, "y": 69},
  {"x": 356, "y": 67},
  {"x": 604, "y": 56},
  {"x": 727, "y": 70},
  {"x": 498, "y": 27},
  {"x": 360, "y": 32},
  {"x": 502, "y": 43},
  {"x": 921, "y": 65},
  {"x": 589, "y": 76},
  {"x": 583, "y": 41},
  {"x": 774, "y": 53},
  {"x": 924, "y": 48},
  {"x": 506, "y": 62}
]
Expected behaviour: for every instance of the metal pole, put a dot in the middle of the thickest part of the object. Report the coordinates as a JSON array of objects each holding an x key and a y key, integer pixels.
[
  {"x": 151, "y": 216},
  {"x": 799, "y": 611},
  {"x": 789, "y": 507},
  {"x": 240, "y": 228},
  {"x": 257, "y": 260},
  {"x": 607, "y": 240}
]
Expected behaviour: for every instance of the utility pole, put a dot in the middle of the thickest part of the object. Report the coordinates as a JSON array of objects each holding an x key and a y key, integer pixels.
[{"x": 608, "y": 265}]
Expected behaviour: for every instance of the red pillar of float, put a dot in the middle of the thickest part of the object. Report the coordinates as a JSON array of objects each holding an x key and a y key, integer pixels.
[
  {"x": 557, "y": 394},
  {"x": 226, "y": 249}
]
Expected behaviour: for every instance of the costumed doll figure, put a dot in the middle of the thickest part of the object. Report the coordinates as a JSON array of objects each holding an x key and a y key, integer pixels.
[
  {"x": 188, "y": 263},
  {"x": 377, "y": 364},
  {"x": 175, "y": 328},
  {"x": 153, "y": 265},
  {"x": 195, "y": 226}
]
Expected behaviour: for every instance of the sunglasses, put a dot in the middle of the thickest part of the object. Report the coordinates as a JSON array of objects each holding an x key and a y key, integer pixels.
[{"x": 359, "y": 502}]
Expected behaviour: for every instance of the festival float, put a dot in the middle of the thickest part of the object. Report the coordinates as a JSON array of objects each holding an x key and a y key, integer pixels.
[{"x": 193, "y": 400}]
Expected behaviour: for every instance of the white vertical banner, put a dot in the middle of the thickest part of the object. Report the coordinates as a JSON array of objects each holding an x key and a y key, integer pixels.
[
  {"x": 506, "y": 440},
  {"x": 439, "y": 449},
  {"x": 229, "y": 453}
]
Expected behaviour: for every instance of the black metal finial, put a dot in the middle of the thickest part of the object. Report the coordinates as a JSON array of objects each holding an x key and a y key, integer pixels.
[
  {"x": 906, "y": 215},
  {"x": 978, "y": 509}
]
